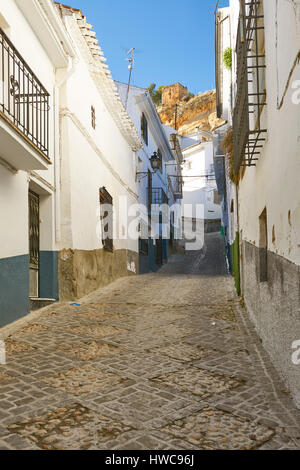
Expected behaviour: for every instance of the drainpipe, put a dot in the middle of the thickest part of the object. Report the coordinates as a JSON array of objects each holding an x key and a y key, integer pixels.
[{"x": 57, "y": 137}]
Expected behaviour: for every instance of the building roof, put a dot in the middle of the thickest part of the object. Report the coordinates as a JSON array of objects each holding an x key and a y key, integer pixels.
[{"x": 101, "y": 75}]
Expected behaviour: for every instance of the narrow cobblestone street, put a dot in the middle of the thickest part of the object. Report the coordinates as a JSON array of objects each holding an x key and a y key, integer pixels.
[{"x": 160, "y": 361}]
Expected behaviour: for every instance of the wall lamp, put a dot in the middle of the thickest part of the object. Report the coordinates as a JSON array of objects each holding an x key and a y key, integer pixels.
[{"x": 155, "y": 165}]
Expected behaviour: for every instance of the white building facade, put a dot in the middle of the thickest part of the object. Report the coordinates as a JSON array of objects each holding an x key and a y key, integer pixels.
[
  {"x": 34, "y": 47},
  {"x": 201, "y": 205},
  {"x": 265, "y": 38},
  {"x": 98, "y": 157},
  {"x": 158, "y": 232}
]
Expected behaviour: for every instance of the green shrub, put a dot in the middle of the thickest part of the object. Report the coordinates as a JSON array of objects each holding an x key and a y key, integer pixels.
[{"x": 227, "y": 58}]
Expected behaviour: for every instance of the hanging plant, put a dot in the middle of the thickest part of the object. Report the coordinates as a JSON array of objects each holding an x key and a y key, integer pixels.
[{"x": 227, "y": 58}]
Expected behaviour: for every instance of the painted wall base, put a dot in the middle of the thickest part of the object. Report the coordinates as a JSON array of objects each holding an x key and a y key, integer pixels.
[
  {"x": 14, "y": 289},
  {"x": 147, "y": 263},
  {"x": 49, "y": 275},
  {"x": 82, "y": 272},
  {"x": 212, "y": 226},
  {"x": 274, "y": 309}
]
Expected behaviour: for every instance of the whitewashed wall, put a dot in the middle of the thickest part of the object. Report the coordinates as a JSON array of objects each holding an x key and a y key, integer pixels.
[
  {"x": 198, "y": 162},
  {"x": 274, "y": 176},
  {"x": 14, "y": 187},
  {"x": 134, "y": 110},
  {"x": 91, "y": 159}
]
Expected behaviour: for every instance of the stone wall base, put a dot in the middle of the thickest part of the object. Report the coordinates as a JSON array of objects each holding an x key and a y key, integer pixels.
[
  {"x": 82, "y": 272},
  {"x": 274, "y": 308}
]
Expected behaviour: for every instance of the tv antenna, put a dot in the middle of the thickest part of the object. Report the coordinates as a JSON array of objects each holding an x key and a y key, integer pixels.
[{"x": 130, "y": 59}]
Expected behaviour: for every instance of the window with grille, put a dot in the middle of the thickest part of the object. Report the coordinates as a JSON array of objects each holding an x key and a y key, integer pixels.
[
  {"x": 106, "y": 213},
  {"x": 144, "y": 128},
  {"x": 93, "y": 117},
  {"x": 249, "y": 126}
]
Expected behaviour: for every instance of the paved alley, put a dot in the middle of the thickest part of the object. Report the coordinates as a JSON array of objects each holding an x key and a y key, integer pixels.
[{"x": 160, "y": 361}]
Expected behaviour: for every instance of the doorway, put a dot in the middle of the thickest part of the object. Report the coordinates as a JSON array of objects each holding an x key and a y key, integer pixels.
[{"x": 34, "y": 244}]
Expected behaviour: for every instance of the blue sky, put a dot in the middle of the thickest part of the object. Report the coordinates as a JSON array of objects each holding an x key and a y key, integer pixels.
[{"x": 174, "y": 39}]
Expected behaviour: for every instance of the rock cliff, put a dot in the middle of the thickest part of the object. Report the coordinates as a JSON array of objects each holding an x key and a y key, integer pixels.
[{"x": 192, "y": 112}]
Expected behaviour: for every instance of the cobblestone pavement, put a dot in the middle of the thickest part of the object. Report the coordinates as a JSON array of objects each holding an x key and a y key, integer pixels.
[{"x": 161, "y": 361}]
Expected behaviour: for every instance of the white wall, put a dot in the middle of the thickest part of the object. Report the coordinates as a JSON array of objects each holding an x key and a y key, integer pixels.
[
  {"x": 275, "y": 176},
  {"x": 91, "y": 159},
  {"x": 32, "y": 51},
  {"x": 14, "y": 213},
  {"x": 198, "y": 162},
  {"x": 14, "y": 187},
  {"x": 135, "y": 112}
]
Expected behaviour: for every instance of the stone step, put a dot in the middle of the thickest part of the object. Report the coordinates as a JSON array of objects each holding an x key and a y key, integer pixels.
[{"x": 37, "y": 303}]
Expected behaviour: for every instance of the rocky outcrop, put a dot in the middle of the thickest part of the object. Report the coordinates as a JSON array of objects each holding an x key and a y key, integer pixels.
[{"x": 198, "y": 112}]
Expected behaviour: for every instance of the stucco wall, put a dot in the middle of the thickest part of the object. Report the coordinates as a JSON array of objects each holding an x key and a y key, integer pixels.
[
  {"x": 274, "y": 309},
  {"x": 84, "y": 271},
  {"x": 275, "y": 177},
  {"x": 273, "y": 184},
  {"x": 198, "y": 162},
  {"x": 92, "y": 159}
]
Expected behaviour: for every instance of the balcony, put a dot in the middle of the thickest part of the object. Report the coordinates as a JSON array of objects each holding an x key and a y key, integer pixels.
[
  {"x": 24, "y": 112},
  {"x": 249, "y": 129},
  {"x": 159, "y": 197}
]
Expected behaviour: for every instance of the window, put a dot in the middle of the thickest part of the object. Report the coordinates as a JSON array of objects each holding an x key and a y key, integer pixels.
[
  {"x": 106, "y": 206},
  {"x": 144, "y": 128},
  {"x": 93, "y": 117},
  {"x": 257, "y": 82},
  {"x": 263, "y": 247}
]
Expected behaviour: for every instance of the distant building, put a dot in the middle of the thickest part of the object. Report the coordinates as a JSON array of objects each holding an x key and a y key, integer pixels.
[
  {"x": 200, "y": 192},
  {"x": 163, "y": 187},
  {"x": 172, "y": 94}
]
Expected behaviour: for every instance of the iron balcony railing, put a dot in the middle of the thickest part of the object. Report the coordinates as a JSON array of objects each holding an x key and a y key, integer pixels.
[
  {"x": 248, "y": 132},
  {"x": 23, "y": 99},
  {"x": 159, "y": 196}
]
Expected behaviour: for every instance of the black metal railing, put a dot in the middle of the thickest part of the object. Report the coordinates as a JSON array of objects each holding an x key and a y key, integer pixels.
[
  {"x": 248, "y": 132},
  {"x": 159, "y": 196},
  {"x": 23, "y": 99}
]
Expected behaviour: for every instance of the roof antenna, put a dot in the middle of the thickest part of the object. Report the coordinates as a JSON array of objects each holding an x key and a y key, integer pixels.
[{"x": 130, "y": 59}]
